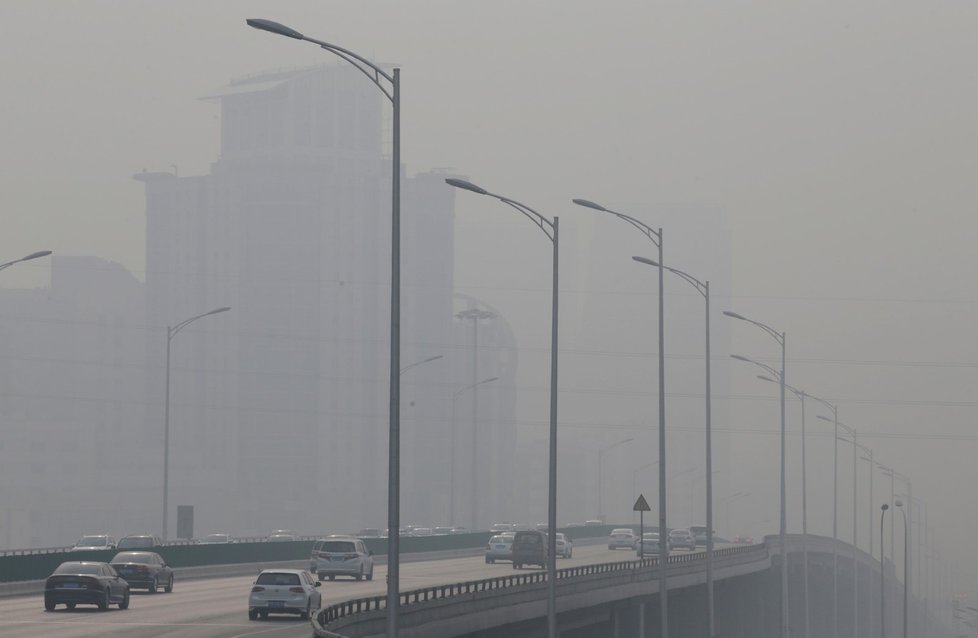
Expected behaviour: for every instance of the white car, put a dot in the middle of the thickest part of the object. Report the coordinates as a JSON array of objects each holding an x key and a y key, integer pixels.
[
  {"x": 284, "y": 591},
  {"x": 282, "y": 536},
  {"x": 649, "y": 545},
  {"x": 501, "y": 527},
  {"x": 565, "y": 546},
  {"x": 216, "y": 538},
  {"x": 94, "y": 542},
  {"x": 622, "y": 537},
  {"x": 342, "y": 556},
  {"x": 422, "y": 531},
  {"x": 500, "y": 547}
]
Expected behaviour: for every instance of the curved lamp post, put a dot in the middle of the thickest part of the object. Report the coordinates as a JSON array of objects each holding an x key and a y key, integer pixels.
[
  {"x": 422, "y": 362},
  {"x": 451, "y": 495},
  {"x": 40, "y": 253},
  {"x": 655, "y": 236},
  {"x": 390, "y": 85},
  {"x": 835, "y": 510},
  {"x": 883, "y": 509},
  {"x": 855, "y": 527},
  {"x": 170, "y": 333},
  {"x": 702, "y": 287},
  {"x": 600, "y": 454},
  {"x": 779, "y": 337},
  {"x": 550, "y": 228},
  {"x": 906, "y": 564}
]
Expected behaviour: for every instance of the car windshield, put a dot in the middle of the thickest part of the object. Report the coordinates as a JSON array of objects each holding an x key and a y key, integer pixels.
[
  {"x": 616, "y": 532},
  {"x": 136, "y": 541},
  {"x": 92, "y": 541},
  {"x": 78, "y": 568},
  {"x": 277, "y": 578},
  {"x": 500, "y": 539},
  {"x": 146, "y": 558},
  {"x": 339, "y": 547}
]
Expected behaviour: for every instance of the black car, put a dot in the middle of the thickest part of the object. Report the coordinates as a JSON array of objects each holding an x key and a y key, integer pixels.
[
  {"x": 85, "y": 583},
  {"x": 139, "y": 541},
  {"x": 529, "y": 548},
  {"x": 144, "y": 569}
]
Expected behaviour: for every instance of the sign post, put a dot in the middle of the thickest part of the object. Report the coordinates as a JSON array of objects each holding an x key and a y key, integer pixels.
[{"x": 641, "y": 506}]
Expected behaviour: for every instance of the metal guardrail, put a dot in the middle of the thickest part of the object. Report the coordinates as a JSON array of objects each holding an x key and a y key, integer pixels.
[
  {"x": 177, "y": 543},
  {"x": 376, "y": 603}
]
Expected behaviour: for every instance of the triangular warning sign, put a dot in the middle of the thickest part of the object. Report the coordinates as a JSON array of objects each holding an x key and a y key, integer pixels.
[{"x": 641, "y": 505}]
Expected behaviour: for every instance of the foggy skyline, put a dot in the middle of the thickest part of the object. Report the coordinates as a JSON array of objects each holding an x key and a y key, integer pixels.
[{"x": 835, "y": 139}]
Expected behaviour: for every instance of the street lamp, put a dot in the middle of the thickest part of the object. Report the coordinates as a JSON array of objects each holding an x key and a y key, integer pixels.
[
  {"x": 170, "y": 333},
  {"x": 550, "y": 228},
  {"x": 835, "y": 510},
  {"x": 475, "y": 315},
  {"x": 455, "y": 396},
  {"x": 906, "y": 563},
  {"x": 390, "y": 85},
  {"x": 422, "y": 362},
  {"x": 855, "y": 526},
  {"x": 702, "y": 287},
  {"x": 780, "y": 338},
  {"x": 40, "y": 253},
  {"x": 600, "y": 453},
  {"x": 655, "y": 236},
  {"x": 800, "y": 394},
  {"x": 883, "y": 509}
]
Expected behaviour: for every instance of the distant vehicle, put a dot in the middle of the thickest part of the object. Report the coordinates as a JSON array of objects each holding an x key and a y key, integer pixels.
[
  {"x": 521, "y": 527},
  {"x": 342, "y": 556},
  {"x": 501, "y": 527},
  {"x": 744, "y": 540},
  {"x": 499, "y": 547},
  {"x": 442, "y": 531},
  {"x": 422, "y": 531},
  {"x": 593, "y": 523},
  {"x": 681, "y": 538},
  {"x": 369, "y": 532},
  {"x": 699, "y": 533},
  {"x": 93, "y": 542},
  {"x": 649, "y": 545},
  {"x": 139, "y": 541},
  {"x": 622, "y": 537},
  {"x": 529, "y": 548},
  {"x": 565, "y": 546},
  {"x": 215, "y": 539},
  {"x": 541, "y": 527},
  {"x": 459, "y": 530},
  {"x": 144, "y": 570},
  {"x": 282, "y": 536},
  {"x": 284, "y": 591},
  {"x": 85, "y": 583}
]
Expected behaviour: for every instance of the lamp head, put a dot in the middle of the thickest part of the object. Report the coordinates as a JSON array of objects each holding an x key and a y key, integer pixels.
[
  {"x": 274, "y": 27},
  {"x": 734, "y": 315},
  {"x": 766, "y": 378},
  {"x": 465, "y": 185},
  {"x": 740, "y": 358},
  {"x": 898, "y": 503},
  {"x": 589, "y": 204},
  {"x": 884, "y": 507},
  {"x": 217, "y": 310},
  {"x": 825, "y": 418},
  {"x": 646, "y": 261},
  {"x": 40, "y": 253}
]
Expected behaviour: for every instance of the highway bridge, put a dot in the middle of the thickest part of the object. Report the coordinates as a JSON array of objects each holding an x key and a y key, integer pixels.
[{"x": 601, "y": 593}]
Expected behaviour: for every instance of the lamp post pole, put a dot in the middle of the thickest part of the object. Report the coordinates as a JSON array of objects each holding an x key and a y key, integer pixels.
[
  {"x": 390, "y": 85},
  {"x": 475, "y": 315},
  {"x": 702, "y": 287},
  {"x": 455, "y": 396},
  {"x": 906, "y": 564},
  {"x": 600, "y": 453},
  {"x": 40, "y": 253},
  {"x": 835, "y": 511},
  {"x": 550, "y": 228},
  {"x": 655, "y": 236},
  {"x": 883, "y": 509},
  {"x": 170, "y": 333},
  {"x": 855, "y": 528},
  {"x": 781, "y": 339}
]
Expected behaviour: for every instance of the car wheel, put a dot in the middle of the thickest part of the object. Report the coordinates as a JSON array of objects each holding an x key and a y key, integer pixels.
[
  {"x": 305, "y": 614},
  {"x": 152, "y": 587},
  {"x": 103, "y": 604},
  {"x": 487, "y": 560},
  {"x": 263, "y": 615},
  {"x": 169, "y": 585},
  {"x": 49, "y": 605},
  {"x": 370, "y": 574},
  {"x": 332, "y": 576},
  {"x": 70, "y": 605},
  {"x": 125, "y": 601},
  {"x": 252, "y": 614},
  {"x": 360, "y": 575}
]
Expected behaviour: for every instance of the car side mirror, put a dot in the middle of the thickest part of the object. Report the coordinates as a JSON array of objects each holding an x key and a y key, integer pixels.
[
  {"x": 370, "y": 552},
  {"x": 318, "y": 583}
]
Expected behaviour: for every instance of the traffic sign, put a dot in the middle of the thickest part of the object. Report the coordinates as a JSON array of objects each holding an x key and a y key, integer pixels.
[{"x": 641, "y": 505}]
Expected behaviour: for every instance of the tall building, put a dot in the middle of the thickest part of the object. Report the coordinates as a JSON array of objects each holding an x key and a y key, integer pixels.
[{"x": 279, "y": 408}]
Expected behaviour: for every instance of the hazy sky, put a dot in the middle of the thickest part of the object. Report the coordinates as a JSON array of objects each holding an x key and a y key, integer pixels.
[{"x": 837, "y": 137}]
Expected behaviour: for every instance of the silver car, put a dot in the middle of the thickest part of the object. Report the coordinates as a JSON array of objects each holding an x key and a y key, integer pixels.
[
  {"x": 649, "y": 545},
  {"x": 499, "y": 547},
  {"x": 342, "y": 556},
  {"x": 284, "y": 591},
  {"x": 622, "y": 537}
]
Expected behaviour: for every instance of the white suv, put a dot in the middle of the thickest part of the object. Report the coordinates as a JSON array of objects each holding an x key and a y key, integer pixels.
[{"x": 342, "y": 556}]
